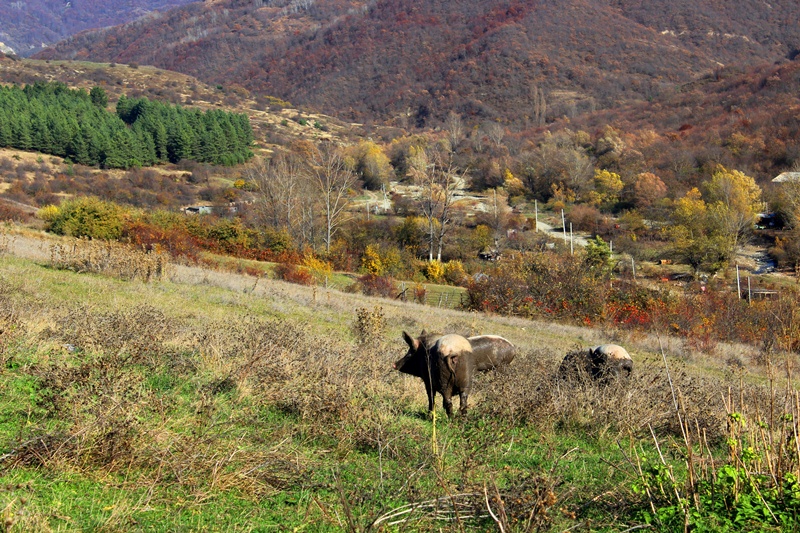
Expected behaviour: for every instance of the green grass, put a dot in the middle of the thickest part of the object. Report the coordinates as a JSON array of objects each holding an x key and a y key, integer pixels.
[{"x": 196, "y": 407}]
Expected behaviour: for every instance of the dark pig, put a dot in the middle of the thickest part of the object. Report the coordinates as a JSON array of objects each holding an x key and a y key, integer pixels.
[
  {"x": 491, "y": 352},
  {"x": 605, "y": 363},
  {"x": 445, "y": 364}
]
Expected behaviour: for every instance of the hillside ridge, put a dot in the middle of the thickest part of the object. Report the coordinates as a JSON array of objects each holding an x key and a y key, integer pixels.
[{"x": 409, "y": 64}]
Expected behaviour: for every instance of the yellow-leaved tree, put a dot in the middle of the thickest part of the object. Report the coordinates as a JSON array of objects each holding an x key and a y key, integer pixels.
[
  {"x": 734, "y": 202},
  {"x": 371, "y": 165},
  {"x": 707, "y": 229},
  {"x": 607, "y": 186}
]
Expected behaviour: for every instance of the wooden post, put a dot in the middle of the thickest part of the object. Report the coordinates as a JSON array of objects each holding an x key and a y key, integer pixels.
[
  {"x": 536, "y": 216},
  {"x": 633, "y": 268},
  {"x": 564, "y": 227}
]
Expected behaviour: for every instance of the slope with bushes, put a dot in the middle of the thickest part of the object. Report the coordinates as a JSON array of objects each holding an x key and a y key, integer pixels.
[{"x": 243, "y": 408}]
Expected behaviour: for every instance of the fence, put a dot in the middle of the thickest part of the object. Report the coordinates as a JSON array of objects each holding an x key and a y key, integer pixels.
[
  {"x": 435, "y": 295},
  {"x": 445, "y": 296}
]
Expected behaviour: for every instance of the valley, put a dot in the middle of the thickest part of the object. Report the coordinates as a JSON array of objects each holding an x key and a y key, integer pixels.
[{"x": 222, "y": 223}]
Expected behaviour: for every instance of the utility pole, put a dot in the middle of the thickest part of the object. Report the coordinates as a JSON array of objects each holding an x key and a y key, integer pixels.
[
  {"x": 571, "y": 247},
  {"x": 738, "y": 283}
]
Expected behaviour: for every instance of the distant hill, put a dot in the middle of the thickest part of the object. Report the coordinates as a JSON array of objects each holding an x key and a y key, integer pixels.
[
  {"x": 410, "y": 62},
  {"x": 747, "y": 119},
  {"x": 27, "y": 26}
]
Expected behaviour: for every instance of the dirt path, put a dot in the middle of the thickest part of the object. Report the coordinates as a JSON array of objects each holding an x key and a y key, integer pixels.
[{"x": 557, "y": 233}]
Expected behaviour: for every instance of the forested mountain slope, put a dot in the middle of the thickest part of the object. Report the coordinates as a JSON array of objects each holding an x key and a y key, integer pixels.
[
  {"x": 27, "y": 26},
  {"x": 413, "y": 62}
]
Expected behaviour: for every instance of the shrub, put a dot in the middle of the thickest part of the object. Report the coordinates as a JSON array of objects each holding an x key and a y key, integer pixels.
[
  {"x": 584, "y": 217},
  {"x": 85, "y": 217},
  {"x": 434, "y": 271},
  {"x": 371, "y": 261},
  {"x": 373, "y": 285},
  {"x": 276, "y": 240},
  {"x": 294, "y": 274},
  {"x": 319, "y": 269},
  {"x": 454, "y": 272},
  {"x": 541, "y": 285},
  {"x": 173, "y": 239},
  {"x": 12, "y": 212},
  {"x": 369, "y": 326},
  {"x": 109, "y": 258}
]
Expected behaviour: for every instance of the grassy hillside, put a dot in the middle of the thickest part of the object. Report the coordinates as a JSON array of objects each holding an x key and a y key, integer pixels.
[{"x": 209, "y": 401}]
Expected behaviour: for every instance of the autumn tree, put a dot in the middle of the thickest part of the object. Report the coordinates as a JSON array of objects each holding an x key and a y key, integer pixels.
[
  {"x": 735, "y": 200},
  {"x": 694, "y": 241},
  {"x": 706, "y": 232},
  {"x": 789, "y": 201},
  {"x": 438, "y": 179},
  {"x": 371, "y": 165},
  {"x": 280, "y": 185},
  {"x": 607, "y": 186},
  {"x": 333, "y": 182},
  {"x": 690, "y": 212},
  {"x": 559, "y": 161},
  {"x": 647, "y": 190},
  {"x": 411, "y": 234}
]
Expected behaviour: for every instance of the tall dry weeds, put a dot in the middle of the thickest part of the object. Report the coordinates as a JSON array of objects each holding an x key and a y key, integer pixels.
[
  {"x": 109, "y": 258},
  {"x": 533, "y": 392}
]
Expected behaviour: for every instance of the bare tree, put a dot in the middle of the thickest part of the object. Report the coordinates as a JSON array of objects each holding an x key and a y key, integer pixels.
[
  {"x": 439, "y": 181},
  {"x": 333, "y": 180},
  {"x": 495, "y": 132},
  {"x": 455, "y": 129},
  {"x": 279, "y": 182},
  {"x": 539, "y": 105}
]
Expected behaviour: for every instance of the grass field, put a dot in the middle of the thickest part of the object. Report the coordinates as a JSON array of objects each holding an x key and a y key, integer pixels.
[{"x": 211, "y": 402}]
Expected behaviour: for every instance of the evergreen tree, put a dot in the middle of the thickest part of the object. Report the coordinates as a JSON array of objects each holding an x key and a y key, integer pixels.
[{"x": 99, "y": 97}]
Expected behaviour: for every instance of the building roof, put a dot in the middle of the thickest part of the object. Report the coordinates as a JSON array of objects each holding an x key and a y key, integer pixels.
[{"x": 786, "y": 176}]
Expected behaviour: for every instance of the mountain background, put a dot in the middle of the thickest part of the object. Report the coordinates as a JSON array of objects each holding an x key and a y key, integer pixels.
[
  {"x": 26, "y": 26},
  {"x": 683, "y": 86},
  {"x": 410, "y": 63}
]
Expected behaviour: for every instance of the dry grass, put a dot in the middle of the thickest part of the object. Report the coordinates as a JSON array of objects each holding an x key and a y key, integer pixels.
[
  {"x": 109, "y": 258},
  {"x": 256, "y": 388}
]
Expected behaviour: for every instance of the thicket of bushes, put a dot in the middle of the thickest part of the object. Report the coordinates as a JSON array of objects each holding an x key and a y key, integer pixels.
[{"x": 556, "y": 286}]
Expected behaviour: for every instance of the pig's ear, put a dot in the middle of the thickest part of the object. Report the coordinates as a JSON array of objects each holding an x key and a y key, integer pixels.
[
  {"x": 412, "y": 343},
  {"x": 423, "y": 333}
]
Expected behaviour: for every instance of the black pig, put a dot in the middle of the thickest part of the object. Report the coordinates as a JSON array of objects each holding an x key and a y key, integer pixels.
[{"x": 445, "y": 364}]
